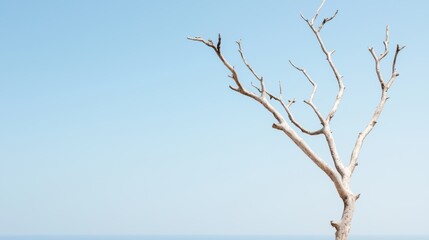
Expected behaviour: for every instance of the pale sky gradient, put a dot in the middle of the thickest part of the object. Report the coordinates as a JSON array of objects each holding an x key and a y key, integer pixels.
[{"x": 111, "y": 122}]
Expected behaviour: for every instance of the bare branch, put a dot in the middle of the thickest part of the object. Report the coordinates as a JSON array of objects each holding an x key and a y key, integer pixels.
[
  {"x": 304, "y": 18},
  {"x": 296, "y": 123},
  {"x": 286, "y": 107},
  {"x": 398, "y": 49},
  {"x": 328, "y": 55},
  {"x": 384, "y": 89},
  {"x": 260, "y": 78},
  {"x": 341, "y": 189},
  {"x": 216, "y": 48},
  {"x": 377, "y": 67},
  {"x": 317, "y": 12},
  {"x": 290, "y": 102},
  {"x": 290, "y": 115},
  {"x": 357, "y": 196},
  {"x": 310, "y": 101},
  {"x": 279, "y": 99},
  {"x": 281, "y": 123},
  {"x": 335, "y": 224},
  {"x": 256, "y": 87},
  {"x": 362, "y": 135},
  {"x": 308, "y": 78},
  {"x": 380, "y": 57},
  {"x": 386, "y": 44},
  {"x": 240, "y": 50},
  {"x": 219, "y": 40},
  {"x": 234, "y": 89},
  {"x": 326, "y": 20},
  {"x": 209, "y": 42},
  {"x": 234, "y": 76},
  {"x": 394, "y": 72},
  {"x": 333, "y": 150},
  {"x": 326, "y": 129}
]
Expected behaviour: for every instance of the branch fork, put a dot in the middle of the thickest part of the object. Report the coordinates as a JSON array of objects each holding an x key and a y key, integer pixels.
[
  {"x": 281, "y": 123},
  {"x": 385, "y": 86}
]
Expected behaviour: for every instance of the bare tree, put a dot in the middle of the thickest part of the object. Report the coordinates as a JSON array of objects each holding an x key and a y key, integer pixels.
[{"x": 342, "y": 173}]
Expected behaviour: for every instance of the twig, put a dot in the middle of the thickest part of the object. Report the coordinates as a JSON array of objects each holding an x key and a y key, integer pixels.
[
  {"x": 317, "y": 12},
  {"x": 216, "y": 48},
  {"x": 286, "y": 107},
  {"x": 259, "y": 78},
  {"x": 394, "y": 72},
  {"x": 326, "y": 20},
  {"x": 310, "y": 101}
]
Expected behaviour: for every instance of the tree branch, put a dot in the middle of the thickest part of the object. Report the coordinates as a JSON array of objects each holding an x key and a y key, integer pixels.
[
  {"x": 386, "y": 44},
  {"x": 281, "y": 123},
  {"x": 259, "y": 78},
  {"x": 328, "y": 55},
  {"x": 216, "y": 48},
  {"x": 310, "y": 101},
  {"x": 326, "y": 128},
  {"x": 379, "y": 58},
  {"x": 394, "y": 72},
  {"x": 342, "y": 190},
  {"x": 317, "y": 12},
  {"x": 326, "y": 20},
  {"x": 261, "y": 99},
  {"x": 290, "y": 115},
  {"x": 384, "y": 89}
]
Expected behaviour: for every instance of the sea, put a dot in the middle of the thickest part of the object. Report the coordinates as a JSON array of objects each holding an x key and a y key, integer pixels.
[{"x": 211, "y": 237}]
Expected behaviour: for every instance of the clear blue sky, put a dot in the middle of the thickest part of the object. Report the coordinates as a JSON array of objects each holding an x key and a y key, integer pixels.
[{"x": 111, "y": 122}]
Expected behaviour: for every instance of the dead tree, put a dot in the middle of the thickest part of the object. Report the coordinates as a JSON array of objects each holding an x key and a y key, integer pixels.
[{"x": 342, "y": 173}]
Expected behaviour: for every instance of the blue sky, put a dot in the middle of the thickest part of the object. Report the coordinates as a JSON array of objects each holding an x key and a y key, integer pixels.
[{"x": 111, "y": 122}]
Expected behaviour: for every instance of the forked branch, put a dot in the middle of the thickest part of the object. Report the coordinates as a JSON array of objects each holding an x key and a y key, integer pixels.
[
  {"x": 286, "y": 107},
  {"x": 384, "y": 89},
  {"x": 310, "y": 101},
  {"x": 216, "y": 48},
  {"x": 326, "y": 126},
  {"x": 328, "y": 55},
  {"x": 281, "y": 124},
  {"x": 326, "y": 20},
  {"x": 259, "y": 78}
]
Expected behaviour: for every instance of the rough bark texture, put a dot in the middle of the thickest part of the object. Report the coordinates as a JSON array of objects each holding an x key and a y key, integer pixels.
[
  {"x": 343, "y": 227},
  {"x": 340, "y": 174}
]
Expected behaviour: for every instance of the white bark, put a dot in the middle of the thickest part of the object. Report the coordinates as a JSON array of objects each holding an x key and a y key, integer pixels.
[{"x": 341, "y": 175}]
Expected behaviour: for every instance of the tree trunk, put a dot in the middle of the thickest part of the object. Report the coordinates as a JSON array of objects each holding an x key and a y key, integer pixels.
[{"x": 343, "y": 227}]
